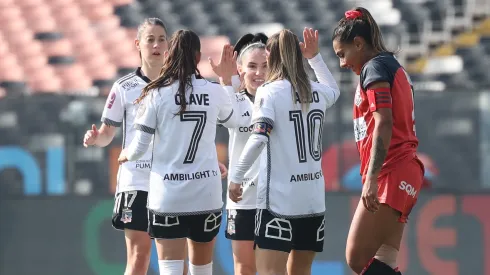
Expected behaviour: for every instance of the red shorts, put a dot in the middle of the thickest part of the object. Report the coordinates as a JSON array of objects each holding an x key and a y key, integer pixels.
[{"x": 400, "y": 187}]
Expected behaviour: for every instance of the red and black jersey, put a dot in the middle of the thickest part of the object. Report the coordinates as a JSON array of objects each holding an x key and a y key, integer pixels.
[{"x": 399, "y": 97}]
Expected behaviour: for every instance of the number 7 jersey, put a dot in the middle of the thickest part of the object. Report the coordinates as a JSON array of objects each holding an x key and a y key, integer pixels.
[
  {"x": 185, "y": 178},
  {"x": 291, "y": 183}
]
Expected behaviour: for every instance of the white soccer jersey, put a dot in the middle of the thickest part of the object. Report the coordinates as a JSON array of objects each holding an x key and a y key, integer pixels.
[
  {"x": 120, "y": 110},
  {"x": 185, "y": 178},
  {"x": 237, "y": 140},
  {"x": 291, "y": 182}
]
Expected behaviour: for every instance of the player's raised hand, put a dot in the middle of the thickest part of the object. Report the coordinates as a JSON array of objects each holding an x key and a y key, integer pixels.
[
  {"x": 309, "y": 46},
  {"x": 227, "y": 63},
  {"x": 235, "y": 191},
  {"x": 90, "y": 136},
  {"x": 223, "y": 170}
]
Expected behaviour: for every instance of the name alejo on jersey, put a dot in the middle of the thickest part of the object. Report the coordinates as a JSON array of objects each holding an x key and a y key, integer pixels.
[{"x": 315, "y": 98}]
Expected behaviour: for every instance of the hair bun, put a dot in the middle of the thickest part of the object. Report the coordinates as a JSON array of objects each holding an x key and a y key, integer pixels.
[{"x": 249, "y": 38}]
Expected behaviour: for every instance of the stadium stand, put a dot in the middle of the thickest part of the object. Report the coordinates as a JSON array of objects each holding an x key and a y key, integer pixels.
[
  {"x": 72, "y": 46},
  {"x": 53, "y": 43}
]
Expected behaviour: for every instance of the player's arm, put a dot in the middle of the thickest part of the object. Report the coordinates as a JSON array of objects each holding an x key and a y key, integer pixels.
[
  {"x": 106, "y": 135},
  {"x": 145, "y": 124},
  {"x": 112, "y": 118},
  {"x": 229, "y": 112},
  {"x": 263, "y": 123},
  {"x": 240, "y": 107},
  {"x": 311, "y": 51},
  {"x": 379, "y": 97},
  {"x": 227, "y": 115}
]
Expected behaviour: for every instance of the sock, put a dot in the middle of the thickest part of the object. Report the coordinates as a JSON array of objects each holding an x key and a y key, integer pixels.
[
  {"x": 377, "y": 267},
  {"x": 171, "y": 267},
  {"x": 201, "y": 269},
  {"x": 387, "y": 254}
]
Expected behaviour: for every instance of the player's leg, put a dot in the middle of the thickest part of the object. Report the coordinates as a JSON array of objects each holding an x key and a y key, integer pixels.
[
  {"x": 243, "y": 257},
  {"x": 367, "y": 234},
  {"x": 138, "y": 247},
  {"x": 408, "y": 181},
  {"x": 374, "y": 238},
  {"x": 300, "y": 262},
  {"x": 186, "y": 265},
  {"x": 130, "y": 215},
  {"x": 270, "y": 262},
  {"x": 170, "y": 235},
  {"x": 203, "y": 230},
  {"x": 273, "y": 243},
  {"x": 240, "y": 229},
  {"x": 308, "y": 239}
]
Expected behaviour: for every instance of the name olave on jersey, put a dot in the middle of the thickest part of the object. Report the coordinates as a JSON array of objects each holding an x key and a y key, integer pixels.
[
  {"x": 190, "y": 176},
  {"x": 306, "y": 177},
  {"x": 194, "y": 99}
]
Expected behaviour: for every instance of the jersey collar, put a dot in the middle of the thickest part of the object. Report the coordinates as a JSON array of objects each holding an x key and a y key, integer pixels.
[
  {"x": 250, "y": 96},
  {"x": 140, "y": 75}
]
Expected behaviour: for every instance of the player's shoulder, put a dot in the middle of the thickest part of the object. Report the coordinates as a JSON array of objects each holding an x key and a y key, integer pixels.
[
  {"x": 317, "y": 86},
  {"x": 196, "y": 78},
  {"x": 274, "y": 86},
  {"x": 127, "y": 82},
  {"x": 201, "y": 84},
  {"x": 382, "y": 67},
  {"x": 320, "y": 89},
  {"x": 383, "y": 61}
]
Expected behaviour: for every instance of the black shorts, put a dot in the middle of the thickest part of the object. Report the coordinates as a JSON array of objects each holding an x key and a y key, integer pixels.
[
  {"x": 130, "y": 211},
  {"x": 240, "y": 224},
  {"x": 200, "y": 228},
  {"x": 283, "y": 234}
]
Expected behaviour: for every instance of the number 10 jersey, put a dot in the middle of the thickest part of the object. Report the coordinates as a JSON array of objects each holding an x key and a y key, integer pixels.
[{"x": 291, "y": 183}]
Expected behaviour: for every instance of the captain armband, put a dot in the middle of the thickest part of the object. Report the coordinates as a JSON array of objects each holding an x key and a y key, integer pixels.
[
  {"x": 379, "y": 98},
  {"x": 262, "y": 128}
]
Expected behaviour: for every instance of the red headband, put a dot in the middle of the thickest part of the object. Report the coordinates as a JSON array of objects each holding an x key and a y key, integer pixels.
[{"x": 353, "y": 14}]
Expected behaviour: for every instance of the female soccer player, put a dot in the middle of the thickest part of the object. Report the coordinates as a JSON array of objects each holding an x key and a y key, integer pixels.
[
  {"x": 130, "y": 213},
  {"x": 252, "y": 66},
  {"x": 289, "y": 104},
  {"x": 185, "y": 197},
  {"x": 384, "y": 129}
]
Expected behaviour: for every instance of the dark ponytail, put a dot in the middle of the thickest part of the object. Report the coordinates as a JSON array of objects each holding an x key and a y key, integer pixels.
[
  {"x": 359, "y": 22},
  {"x": 180, "y": 65}
]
